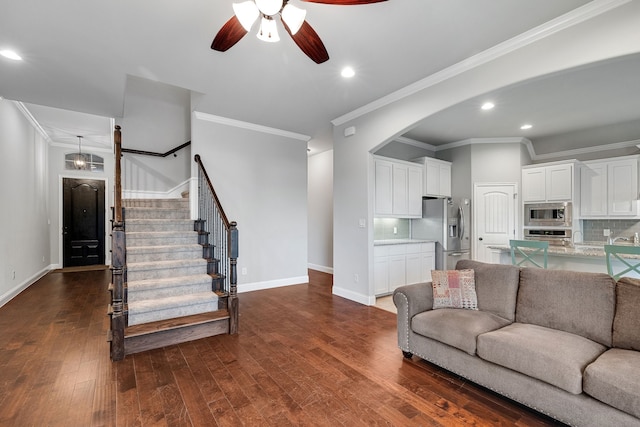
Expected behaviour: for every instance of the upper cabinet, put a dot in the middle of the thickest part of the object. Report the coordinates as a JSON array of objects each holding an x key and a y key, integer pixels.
[
  {"x": 398, "y": 188},
  {"x": 437, "y": 177},
  {"x": 551, "y": 183},
  {"x": 609, "y": 188}
]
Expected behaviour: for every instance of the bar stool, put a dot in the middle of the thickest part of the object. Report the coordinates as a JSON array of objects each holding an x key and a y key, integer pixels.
[
  {"x": 533, "y": 249},
  {"x": 613, "y": 252}
]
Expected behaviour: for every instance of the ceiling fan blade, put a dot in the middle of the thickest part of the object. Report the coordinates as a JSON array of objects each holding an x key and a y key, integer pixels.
[
  {"x": 229, "y": 34},
  {"x": 309, "y": 42},
  {"x": 344, "y": 2}
]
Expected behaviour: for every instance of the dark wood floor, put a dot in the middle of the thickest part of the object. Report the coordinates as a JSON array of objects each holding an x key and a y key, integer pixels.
[{"x": 302, "y": 357}]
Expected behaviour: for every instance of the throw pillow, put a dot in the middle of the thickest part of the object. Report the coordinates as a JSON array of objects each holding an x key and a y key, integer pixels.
[{"x": 454, "y": 289}]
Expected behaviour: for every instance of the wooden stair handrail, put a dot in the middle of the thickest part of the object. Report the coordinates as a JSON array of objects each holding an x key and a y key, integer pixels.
[
  {"x": 154, "y": 154},
  {"x": 227, "y": 224}
]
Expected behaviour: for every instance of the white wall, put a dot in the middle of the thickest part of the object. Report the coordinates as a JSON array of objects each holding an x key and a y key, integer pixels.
[
  {"x": 320, "y": 218},
  {"x": 56, "y": 173},
  {"x": 609, "y": 35},
  {"x": 156, "y": 118},
  {"x": 24, "y": 241},
  {"x": 261, "y": 181}
]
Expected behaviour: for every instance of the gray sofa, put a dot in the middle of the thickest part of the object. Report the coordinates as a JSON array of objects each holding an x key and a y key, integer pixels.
[{"x": 564, "y": 343}]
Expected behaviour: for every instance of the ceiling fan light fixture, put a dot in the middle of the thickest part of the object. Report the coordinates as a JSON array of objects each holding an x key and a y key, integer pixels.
[
  {"x": 247, "y": 12},
  {"x": 269, "y": 7},
  {"x": 268, "y": 31},
  {"x": 293, "y": 17}
]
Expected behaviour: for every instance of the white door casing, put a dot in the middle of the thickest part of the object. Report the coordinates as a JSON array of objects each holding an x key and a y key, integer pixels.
[{"x": 495, "y": 218}]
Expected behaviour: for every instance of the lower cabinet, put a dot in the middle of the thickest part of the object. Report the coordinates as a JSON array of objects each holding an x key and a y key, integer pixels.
[{"x": 402, "y": 264}]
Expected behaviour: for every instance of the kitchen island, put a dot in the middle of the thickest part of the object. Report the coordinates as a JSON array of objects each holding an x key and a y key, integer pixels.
[{"x": 581, "y": 257}]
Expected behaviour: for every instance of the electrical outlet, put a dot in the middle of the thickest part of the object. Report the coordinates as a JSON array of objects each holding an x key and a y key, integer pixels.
[
  {"x": 395, "y": 230},
  {"x": 244, "y": 271},
  {"x": 13, "y": 275},
  {"x": 606, "y": 232},
  {"x": 356, "y": 278}
]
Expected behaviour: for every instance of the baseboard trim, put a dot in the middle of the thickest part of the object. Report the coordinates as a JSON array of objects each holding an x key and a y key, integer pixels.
[
  {"x": 321, "y": 268},
  {"x": 269, "y": 284},
  {"x": 353, "y": 296},
  {"x": 12, "y": 293}
]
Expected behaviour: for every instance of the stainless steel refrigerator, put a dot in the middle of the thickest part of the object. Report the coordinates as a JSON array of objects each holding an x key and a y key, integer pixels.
[{"x": 447, "y": 221}]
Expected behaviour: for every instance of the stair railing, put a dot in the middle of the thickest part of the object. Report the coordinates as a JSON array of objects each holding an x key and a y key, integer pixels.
[
  {"x": 223, "y": 237},
  {"x": 117, "y": 309}
]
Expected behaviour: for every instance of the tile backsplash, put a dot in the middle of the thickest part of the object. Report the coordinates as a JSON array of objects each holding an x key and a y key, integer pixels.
[
  {"x": 383, "y": 228},
  {"x": 593, "y": 229}
]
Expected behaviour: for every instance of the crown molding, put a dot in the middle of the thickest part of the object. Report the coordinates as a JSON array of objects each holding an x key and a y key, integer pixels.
[
  {"x": 249, "y": 126},
  {"x": 569, "y": 19},
  {"x": 32, "y": 120},
  {"x": 413, "y": 142},
  {"x": 587, "y": 150}
]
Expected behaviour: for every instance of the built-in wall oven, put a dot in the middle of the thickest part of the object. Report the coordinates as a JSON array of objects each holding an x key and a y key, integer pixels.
[
  {"x": 548, "y": 214},
  {"x": 555, "y": 236}
]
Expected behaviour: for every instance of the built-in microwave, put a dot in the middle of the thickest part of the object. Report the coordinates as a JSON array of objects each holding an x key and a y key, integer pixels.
[{"x": 548, "y": 214}]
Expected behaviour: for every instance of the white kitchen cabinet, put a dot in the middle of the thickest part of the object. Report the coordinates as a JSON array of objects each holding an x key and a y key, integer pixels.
[
  {"x": 551, "y": 183},
  {"x": 427, "y": 261},
  {"x": 593, "y": 190},
  {"x": 402, "y": 264},
  {"x": 437, "y": 177},
  {"x": 381, "y": 269},
  {"x": 398, "y": 189},
  {"x": 383, "y": 187},
  {"x": 609, "y": 188},
  {"x": 622, "y": 188}
]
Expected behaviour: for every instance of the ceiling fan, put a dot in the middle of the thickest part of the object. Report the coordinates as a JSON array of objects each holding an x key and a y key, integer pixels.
[{"x": 247, "y": 12}]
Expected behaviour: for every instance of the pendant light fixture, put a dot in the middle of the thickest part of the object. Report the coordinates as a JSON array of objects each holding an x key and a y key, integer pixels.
[{"x": 80, "y": 160}]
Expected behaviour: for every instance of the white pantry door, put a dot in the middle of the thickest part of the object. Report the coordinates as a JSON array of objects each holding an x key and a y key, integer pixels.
[{"x": 495, "y": 219}]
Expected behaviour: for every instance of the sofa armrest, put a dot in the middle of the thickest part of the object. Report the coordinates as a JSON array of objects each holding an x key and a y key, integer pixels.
[{"x": 411, "y": 300}]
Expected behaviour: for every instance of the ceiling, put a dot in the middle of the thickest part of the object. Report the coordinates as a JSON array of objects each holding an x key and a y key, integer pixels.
[{"x": 79, "y": 57}]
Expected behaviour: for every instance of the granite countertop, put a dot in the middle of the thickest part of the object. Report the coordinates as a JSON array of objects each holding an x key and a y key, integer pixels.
[
  {"x": 400, "y": 241},
  {"x": 587, "y": 249}
]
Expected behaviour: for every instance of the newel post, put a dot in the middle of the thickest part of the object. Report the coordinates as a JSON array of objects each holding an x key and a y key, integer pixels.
[
  {"x": 233, "y": 278},
  {"x": 118, "y": 262}
]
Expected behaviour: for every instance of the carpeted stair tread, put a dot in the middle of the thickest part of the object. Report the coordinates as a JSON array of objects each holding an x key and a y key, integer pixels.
[
  {"x": 170, "y": 307},
  {"x": 177, "y": 263},
  {"x": 177, "y": 202},
  {"x": 159, "y": 224},
  {"x": 165, "y": 248},
  {"x": 145, "y": 284}
]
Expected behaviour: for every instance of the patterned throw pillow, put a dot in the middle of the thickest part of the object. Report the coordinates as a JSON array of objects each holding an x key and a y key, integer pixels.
[{"x": 454, "y": 289}]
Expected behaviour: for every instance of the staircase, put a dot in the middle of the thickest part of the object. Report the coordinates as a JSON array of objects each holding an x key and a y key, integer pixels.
[{"x": 169, "y": 285}]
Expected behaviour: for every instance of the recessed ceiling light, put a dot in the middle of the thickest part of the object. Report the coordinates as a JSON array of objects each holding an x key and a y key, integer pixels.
[
  {"x": 348, "y": 72},
  {"x": 525, "y": 127},
  {"x": 10, "y": 55},
  {"x": 488, "y": 106}
]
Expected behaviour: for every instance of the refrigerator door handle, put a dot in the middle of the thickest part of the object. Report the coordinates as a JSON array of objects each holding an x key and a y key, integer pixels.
[{"x": 461, "y": 221}]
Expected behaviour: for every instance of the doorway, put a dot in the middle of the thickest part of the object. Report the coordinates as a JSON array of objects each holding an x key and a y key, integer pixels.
[
  {"x": 495, "y": 219},
  {"x": 83, "y": 222}
]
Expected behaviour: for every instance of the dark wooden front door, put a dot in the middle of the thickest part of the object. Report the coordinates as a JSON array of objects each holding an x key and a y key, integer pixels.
[{"x": 83, "y": 222}]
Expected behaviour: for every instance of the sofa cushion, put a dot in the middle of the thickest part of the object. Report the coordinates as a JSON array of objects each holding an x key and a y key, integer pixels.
[
  {"x": 626, "y": 323},
  {"x": 613, "y": 379},
  {"x": 454, "y": 289},
  {"x": 496, "y": 286},
  {"x": 456, "y": 327},
  {"x": 570, "y": 301},
  {"x": 555, "y": 357}
]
